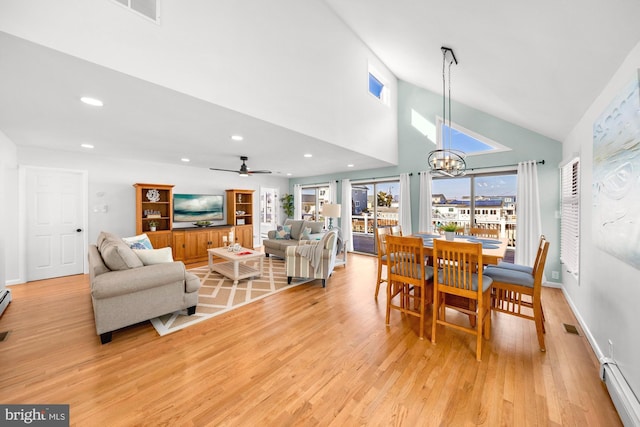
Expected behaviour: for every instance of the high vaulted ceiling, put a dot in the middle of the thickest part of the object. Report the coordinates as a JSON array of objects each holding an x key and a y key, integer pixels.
[{"x": 536, "y": 64}]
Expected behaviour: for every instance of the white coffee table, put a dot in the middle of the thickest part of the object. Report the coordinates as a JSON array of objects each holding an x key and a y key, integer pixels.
[{"x": 234, "y": 267}]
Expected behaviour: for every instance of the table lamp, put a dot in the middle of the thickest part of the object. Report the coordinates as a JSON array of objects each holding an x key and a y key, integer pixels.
[{"x": 331, "y": 211}]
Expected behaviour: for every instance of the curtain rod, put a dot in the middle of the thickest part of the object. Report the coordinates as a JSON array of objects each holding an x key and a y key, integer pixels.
[
  {"x": 317, "y": 184},
  {"x": 540, "y": 162},
  {"x": 380, "y": 177}
]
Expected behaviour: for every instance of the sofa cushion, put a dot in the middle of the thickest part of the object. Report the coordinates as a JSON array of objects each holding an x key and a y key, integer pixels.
[
  {"x": 138, "y": 242},
  {"x": 118, "y": 256},
  {"x": 154, "y": 256},
  {"x": 283, "y": 232},
  {"x": 296, "y": 227},
  {"x": 104, "y": 237},
  {"x": 316, "y": 226}
]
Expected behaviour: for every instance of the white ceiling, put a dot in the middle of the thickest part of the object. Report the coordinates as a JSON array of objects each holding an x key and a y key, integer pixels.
[{"x": 536, "y": 64}]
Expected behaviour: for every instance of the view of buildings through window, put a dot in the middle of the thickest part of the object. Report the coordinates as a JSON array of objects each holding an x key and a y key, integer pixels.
[
  {"x": 313, "y": 198},
  {"x": 485, "y": 201}
]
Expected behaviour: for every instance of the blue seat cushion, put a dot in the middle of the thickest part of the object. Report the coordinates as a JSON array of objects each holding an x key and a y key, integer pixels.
[
  {"x": 428, "y": 271},
  {"x": 486, "y": 281},
  {"x": 515, "y": 267},
  {"x": 509, "y": 276}
]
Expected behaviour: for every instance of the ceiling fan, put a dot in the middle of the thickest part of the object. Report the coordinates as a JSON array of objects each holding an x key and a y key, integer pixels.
[{"x": 244, "y": 170}]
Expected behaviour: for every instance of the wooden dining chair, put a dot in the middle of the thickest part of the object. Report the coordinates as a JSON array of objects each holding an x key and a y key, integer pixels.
[
  {"x": 396, "y": 230},
  {"x": 513, "y": 290},
  {"x": 455, "y": 276},
  {"x": 382, "y": 233},
  {"x": 410, "y": 280},
  {"x": 485, "y": 232}
]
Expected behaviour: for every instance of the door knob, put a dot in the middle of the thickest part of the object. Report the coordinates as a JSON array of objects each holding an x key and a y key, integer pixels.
[{"x": 79, "y": 230}]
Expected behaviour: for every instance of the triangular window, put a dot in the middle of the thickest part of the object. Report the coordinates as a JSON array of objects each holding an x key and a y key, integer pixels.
[{"x": 469, "y": 142}]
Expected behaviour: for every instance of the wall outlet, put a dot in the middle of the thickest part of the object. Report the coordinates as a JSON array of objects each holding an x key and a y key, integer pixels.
[{"x": 555, "y": 274}]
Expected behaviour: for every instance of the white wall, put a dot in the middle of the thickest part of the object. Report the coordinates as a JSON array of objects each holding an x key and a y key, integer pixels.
[
  {"x": 8, "y": 213},
  {"x": 607, "y": 293},
  {"x": 111, "y": 183},
  {"x": 288, "y": 62}
]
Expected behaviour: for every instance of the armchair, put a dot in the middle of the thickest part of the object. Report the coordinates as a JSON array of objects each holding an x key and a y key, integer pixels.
[{"x": 312, "y": 258}]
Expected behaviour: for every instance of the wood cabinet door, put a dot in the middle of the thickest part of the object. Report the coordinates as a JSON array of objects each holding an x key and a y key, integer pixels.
[
  {"x": 244, "y": 236},
  {"x": 215, "y": 238},
  {"x": 196, "y": 245},
  {"x": 178, "y": 246},
  {"x": 160, "y": 239}
]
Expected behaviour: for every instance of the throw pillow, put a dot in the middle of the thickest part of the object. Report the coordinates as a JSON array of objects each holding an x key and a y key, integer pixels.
[
  {"x": 283, "y": 232},
  {"x": 154, "y": 256},
  {"x": 306, "y": 234},
  {"x": 138, "y": 242}
]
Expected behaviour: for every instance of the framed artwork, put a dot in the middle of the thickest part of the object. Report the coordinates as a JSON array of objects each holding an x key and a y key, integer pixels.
[{"x": 616, "y": 176}]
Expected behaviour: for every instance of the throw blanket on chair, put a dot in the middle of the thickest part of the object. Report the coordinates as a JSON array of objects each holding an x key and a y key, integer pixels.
[{"x": 313, "y": 252}]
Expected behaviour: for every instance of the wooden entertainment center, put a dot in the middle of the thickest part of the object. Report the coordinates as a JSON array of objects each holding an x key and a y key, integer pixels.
[{"x": 154, "y": 204}]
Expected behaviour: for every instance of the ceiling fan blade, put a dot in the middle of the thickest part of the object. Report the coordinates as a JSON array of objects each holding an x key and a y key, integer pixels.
[
  {"x": 224, "y": 170},
  {"x": 263, "y": 171}
]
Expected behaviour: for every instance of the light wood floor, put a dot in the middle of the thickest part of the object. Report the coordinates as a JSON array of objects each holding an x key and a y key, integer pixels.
[{"x": 307, "y": 356}]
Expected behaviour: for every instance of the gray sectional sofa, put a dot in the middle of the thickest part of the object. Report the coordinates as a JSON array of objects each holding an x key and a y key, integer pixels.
[
  {"x": 124, "y": 291},
  {"x": 278, "y": 240}
]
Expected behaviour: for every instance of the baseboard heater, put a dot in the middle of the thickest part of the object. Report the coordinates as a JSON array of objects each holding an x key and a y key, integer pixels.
[
  {"x": 5, "y": 299},
  {"x": 623, "y": 397}
]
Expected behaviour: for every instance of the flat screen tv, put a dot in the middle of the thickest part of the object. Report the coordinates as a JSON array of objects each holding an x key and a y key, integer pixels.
[{"x": 198, "y": 207}]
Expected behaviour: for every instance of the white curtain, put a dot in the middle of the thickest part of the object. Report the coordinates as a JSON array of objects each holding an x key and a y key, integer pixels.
[
  {"x": 345, "y": 215},
  {"x": 405, "y": 204},
  {"x": 333, "y": 191},
  {"x": 528, "y": 224},
  {"x": 425, "y": 223},
  {"x": 297, "y": 201}
]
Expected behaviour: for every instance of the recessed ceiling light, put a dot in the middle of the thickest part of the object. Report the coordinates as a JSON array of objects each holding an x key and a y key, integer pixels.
[
  {"x": 92, "y": 101},
  {"x": 86, "y": 145},
  {"x": 237, "y": 137},
  {"x": 288, "y": 173},
  {"x": 308, "y": 155},
  {"x": 350, "y": 165},
  {"x": 184, "y": 159}
]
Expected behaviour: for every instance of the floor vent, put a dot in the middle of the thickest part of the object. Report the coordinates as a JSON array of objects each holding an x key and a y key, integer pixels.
[
  {"x": 3, "y": 335},
  {"x": 571, "y": 329}
]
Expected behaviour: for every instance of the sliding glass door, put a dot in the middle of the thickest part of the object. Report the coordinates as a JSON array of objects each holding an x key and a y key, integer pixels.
[{"x": 374, "y": 204}]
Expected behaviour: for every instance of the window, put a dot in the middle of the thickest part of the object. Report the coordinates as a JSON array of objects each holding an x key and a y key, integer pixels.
[
  {"x": 458, "y": 138},
  {"x": 377, "y": 86},
  {"x": 313, "y": 198},
  {"x": 478, "y": 200},
  {"x": 570, "y": 216}
]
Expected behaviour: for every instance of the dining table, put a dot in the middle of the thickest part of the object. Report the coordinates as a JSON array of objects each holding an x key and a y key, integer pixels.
[{"x": 493, "y": 251}]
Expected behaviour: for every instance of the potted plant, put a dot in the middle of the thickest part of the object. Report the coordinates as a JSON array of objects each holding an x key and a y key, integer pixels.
[
  {"x": 287, "y": 204},
  {"x": 449, "y": 230},
  {"x": 153, "y": 225}
]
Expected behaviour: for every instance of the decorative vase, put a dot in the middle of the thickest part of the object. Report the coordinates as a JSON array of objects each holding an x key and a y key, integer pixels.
[
  {"x": 152, "y": 229},
  {"x": 449, "y": 235}
]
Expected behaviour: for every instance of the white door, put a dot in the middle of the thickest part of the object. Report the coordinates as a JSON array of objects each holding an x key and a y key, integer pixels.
[
  {"x": 55, "y": 222},
  {"x": 268, "y": 211}
]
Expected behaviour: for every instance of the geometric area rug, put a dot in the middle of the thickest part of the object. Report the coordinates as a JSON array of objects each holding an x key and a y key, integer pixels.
[{"x": 218, "y": 295}]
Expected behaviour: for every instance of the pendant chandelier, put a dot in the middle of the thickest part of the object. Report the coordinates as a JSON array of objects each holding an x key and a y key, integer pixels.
[{"x": 445, "y": 161}]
